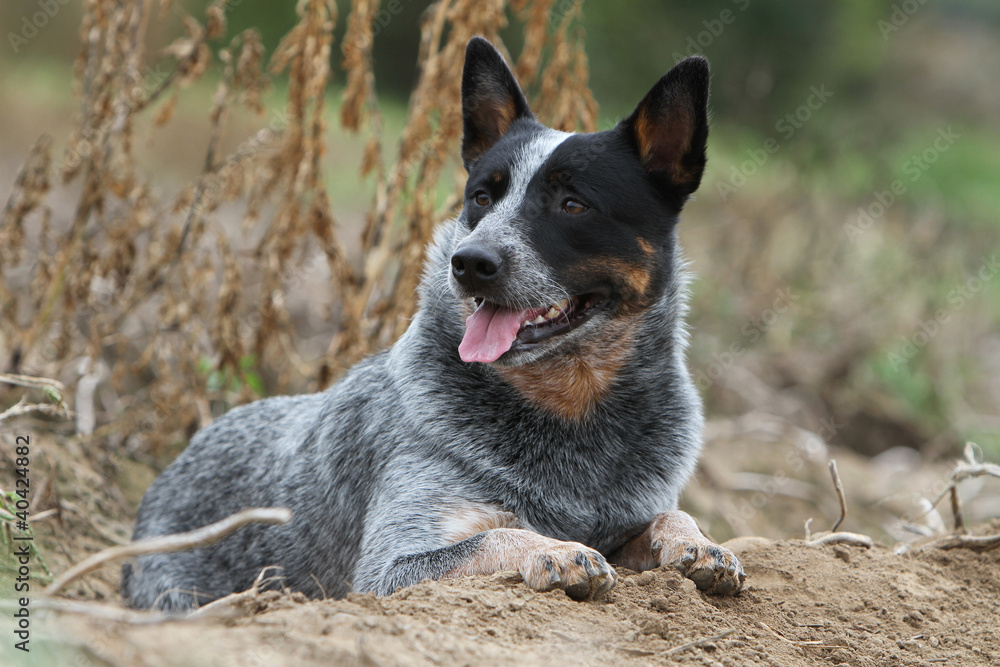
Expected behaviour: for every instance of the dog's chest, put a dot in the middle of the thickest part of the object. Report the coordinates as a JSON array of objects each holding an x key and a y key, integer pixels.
[{"x": 590, "y": 495}]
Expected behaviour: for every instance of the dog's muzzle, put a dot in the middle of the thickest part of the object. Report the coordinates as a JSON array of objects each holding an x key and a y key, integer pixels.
[{"x": 478, "y": 268}]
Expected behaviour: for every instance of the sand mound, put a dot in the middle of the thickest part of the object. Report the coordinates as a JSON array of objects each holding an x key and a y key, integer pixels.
[{"x": 803, "y": 605}]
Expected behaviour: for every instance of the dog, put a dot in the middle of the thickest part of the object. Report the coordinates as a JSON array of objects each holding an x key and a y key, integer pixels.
[{"x": 537, "y": 415}]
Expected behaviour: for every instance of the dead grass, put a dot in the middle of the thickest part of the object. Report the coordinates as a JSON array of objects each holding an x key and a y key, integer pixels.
[{"x": 179, "y": 315}]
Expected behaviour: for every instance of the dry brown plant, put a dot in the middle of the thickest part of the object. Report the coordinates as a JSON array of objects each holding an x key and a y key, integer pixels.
[{"x": 180, "y": 316}]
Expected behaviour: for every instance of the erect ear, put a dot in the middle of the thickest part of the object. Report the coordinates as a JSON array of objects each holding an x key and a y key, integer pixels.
[
  {"x": 491, "y": 99},
  {"x": 670, "y": 126}
]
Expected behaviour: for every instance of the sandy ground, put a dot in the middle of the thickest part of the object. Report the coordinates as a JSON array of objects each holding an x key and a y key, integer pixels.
[
  {"x": 893, "y": 604},
  {"x": 803, "y": 605}
]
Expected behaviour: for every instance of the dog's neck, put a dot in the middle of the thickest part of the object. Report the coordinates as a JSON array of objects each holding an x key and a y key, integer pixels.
[{"x": 570, "y": 385}]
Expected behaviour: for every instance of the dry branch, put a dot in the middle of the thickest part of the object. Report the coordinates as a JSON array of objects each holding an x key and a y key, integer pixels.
[
  {"x": 838, "y": 485},
  {"x": 855, "y": 539},
  {"x": 698, "y": 642},
  {"x": 801, "y": 643},
  {"x": 201, "y": 537},
  {"x": 967, "y": 468},
  {"x": 956, "y": 510},
  {"x": 101, "y": 612},
  {"x": 22, "y": 407},
  {"x": 33, "y": 382},
  {"x": 973, "y": 542}
]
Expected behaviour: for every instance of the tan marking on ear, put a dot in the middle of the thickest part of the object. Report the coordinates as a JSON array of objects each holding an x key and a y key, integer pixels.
[
  {"x": 666, "y": 140},
  {"x": 571, "y": 384},
  {"x": 643, "y": 129},
  {"x": 505, "y": 114},
  {"x": 468, "y": 519}
]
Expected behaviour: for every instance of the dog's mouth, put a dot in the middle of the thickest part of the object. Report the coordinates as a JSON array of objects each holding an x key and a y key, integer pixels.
[{"x": 492, "y": 330}]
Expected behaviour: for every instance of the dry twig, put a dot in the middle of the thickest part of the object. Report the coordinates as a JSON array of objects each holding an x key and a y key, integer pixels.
[
  {"x": 698, "y": 642},
  {"x": 967, "y": 468},
  {"x": 33, "y": 382},
  {"x": 832, "y": 536},
  {"x": 956, "y": 510},
  {"x": 856, "y": 539},
  {"x": 102, "y": 612},
  {"x": 973, "y": 542},
  {"x": 22, "y": 407},
  {"x": 801, "y": 643},
  {"x": 235, "y": 605},
  {"x": 838, "y": 485},
  {"x": 170, "y": 543}
]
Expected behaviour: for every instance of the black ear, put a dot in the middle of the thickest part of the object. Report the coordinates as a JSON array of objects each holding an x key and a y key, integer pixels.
[
  {"x": 491, "y": 99},
  {"x": 670, "y": 126}
]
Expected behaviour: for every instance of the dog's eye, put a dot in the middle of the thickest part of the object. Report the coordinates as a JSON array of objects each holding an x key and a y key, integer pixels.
[
  {"x": 573, "y": 207},
  {"x": 482, "y": 199}
]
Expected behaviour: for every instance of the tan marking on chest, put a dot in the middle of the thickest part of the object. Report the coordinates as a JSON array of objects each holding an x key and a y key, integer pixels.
[
  {"x": 468, "y": 519},
  {"x": 571, "y": 385}
]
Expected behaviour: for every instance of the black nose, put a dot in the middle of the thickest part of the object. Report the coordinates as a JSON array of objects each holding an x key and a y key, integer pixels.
[{"x": 476, "y": 266}]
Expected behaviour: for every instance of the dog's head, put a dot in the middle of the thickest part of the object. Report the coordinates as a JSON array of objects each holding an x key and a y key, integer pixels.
[{"x": 562, "y": 233}]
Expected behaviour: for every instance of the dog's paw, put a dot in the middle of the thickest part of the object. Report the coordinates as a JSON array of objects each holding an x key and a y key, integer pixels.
[
  {"x": 579, "y": 570},
  {"x": 712, "y": 568}
]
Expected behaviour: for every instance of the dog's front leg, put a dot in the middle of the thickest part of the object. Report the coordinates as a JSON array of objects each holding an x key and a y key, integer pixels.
[
  {"x": 673, "y": 538},
  {"x": 543, "y": 562}
]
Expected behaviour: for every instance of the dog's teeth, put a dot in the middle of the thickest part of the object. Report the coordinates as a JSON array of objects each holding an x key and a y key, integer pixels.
[
  {"x": 563, "y": 305},
  {"x": 538, "y": 320},
  {"x": 552, "y": 313}
]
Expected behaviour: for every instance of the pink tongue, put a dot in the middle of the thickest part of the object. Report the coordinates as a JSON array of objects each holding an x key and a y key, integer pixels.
[{"x": 489, "y": 332}]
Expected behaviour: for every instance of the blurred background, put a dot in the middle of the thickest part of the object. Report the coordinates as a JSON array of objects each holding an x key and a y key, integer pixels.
[{"x": 844, "y": 243}]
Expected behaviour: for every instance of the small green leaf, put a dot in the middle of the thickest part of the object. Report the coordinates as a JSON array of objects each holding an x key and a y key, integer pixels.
[{"x": 254, "y": 381}]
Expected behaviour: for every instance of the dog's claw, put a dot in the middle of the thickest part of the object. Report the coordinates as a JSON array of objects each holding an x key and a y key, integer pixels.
[
  {"x": 725, "y": 587},
  {"x": 712, "y": 568},
  {"x": 579, "y": 570}
]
